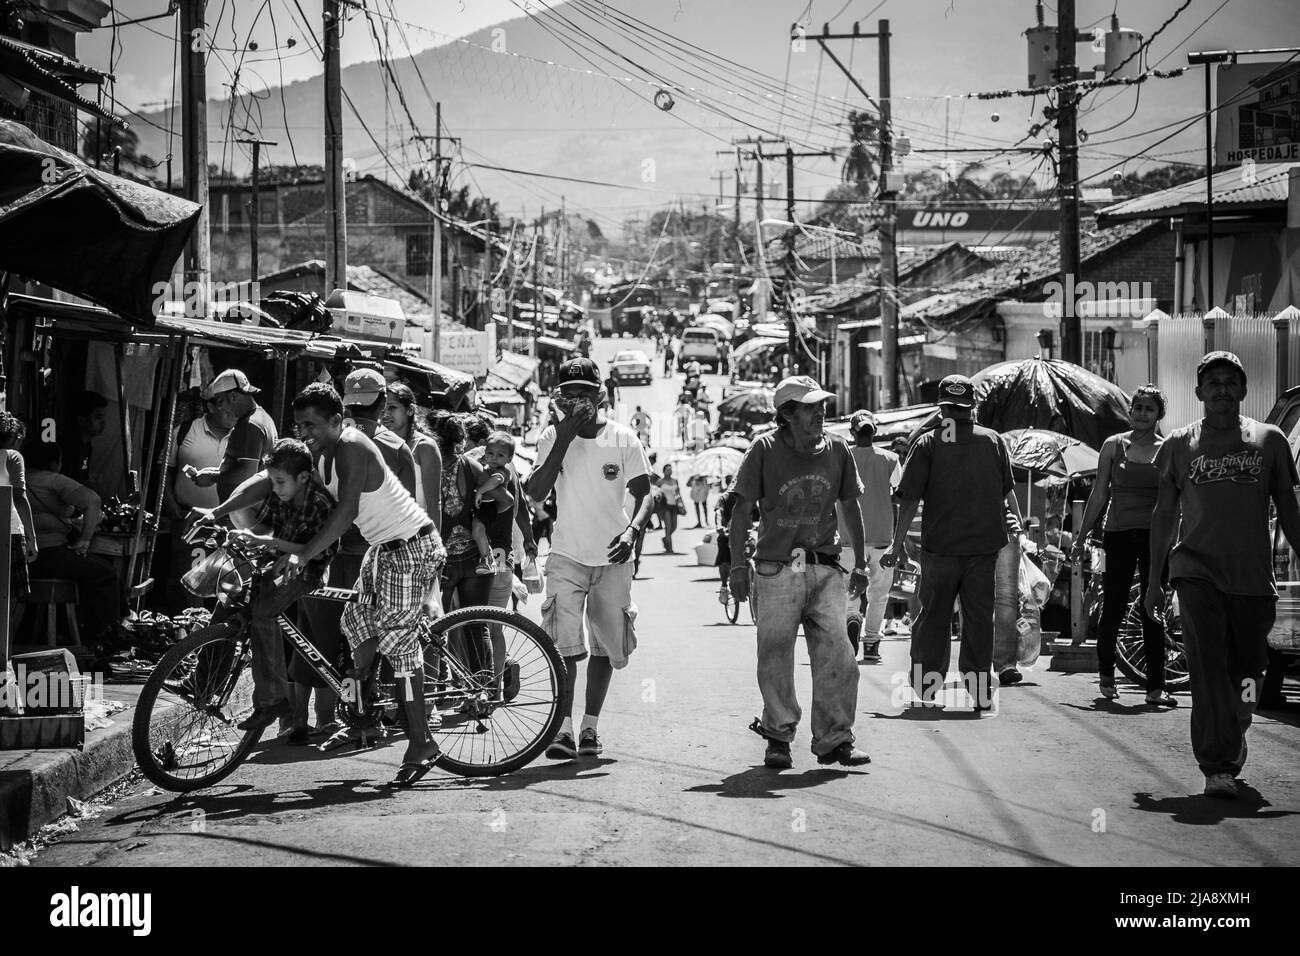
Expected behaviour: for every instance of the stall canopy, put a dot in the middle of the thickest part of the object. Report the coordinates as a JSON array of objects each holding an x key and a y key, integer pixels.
[
  {"x": 554, "y": 343},
  {"x": 85, "y": 231},
  {"x": 1050, "y": 453},
  {"x": 1050, "y": 394},
  {"x": 511, "y": 371}
]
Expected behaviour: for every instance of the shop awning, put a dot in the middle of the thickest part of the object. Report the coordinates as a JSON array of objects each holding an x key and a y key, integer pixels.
[
  {"x": 85, "y": 231},
  {"x": 514, "y": 370},
  {"x": 554, "y": 343},
  {"x": 48, "y": 72},
  {"x": 500, "y": 396}
]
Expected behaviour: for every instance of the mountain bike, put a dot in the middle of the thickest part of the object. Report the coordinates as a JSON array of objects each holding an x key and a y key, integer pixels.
[
  {"x": 1130, "y": 651},
  {"x": 486, "y": 721}
]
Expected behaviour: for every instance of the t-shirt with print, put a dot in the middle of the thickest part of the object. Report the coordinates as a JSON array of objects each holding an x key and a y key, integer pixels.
[
  {"x": 796, "y": 493},
  {"x": 880, "y": 470},
  {"x": 963, "y": 474},
  {"x": 1225, "y": 479},
  {"x": 590, "y": 489}
]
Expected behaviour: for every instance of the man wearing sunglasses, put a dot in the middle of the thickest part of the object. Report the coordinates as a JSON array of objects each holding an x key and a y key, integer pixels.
[{"x": 592, "y": 462}]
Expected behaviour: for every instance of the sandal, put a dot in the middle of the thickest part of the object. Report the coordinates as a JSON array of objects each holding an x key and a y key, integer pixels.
[
  {"x": 409, "y": 774},
  {"x": 1109, "y": 690}
]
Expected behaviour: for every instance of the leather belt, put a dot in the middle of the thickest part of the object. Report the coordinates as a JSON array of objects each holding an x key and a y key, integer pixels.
[{"x": 397, "y": 543}]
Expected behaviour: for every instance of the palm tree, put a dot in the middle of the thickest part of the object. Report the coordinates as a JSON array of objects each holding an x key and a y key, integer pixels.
[{"x": 864, "y": 135}]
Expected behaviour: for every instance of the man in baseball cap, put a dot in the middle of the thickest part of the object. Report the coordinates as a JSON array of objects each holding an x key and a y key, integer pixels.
[
  {"x": 962, "y": 472},
  {"x": 365, "y": 392},
  {"x": 231, "y": 380},
  {"x": 362, "y": 386},
  {"x": 1217, "y": 479},
  {"x": 252, "y": 433},
  {"x": 802, "y": 478}
]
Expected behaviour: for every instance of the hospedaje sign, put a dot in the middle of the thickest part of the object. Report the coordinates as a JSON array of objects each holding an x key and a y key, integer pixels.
[{"x": 1258, "y": 113}]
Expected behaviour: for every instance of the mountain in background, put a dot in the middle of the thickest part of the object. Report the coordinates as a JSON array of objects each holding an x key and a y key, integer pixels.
[{"x": 512, "y": 111}]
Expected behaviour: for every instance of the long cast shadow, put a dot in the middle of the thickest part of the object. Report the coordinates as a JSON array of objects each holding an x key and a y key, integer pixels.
[
  {"x": 763, "y": 783},
  {"x": 1198, "y": 810}
]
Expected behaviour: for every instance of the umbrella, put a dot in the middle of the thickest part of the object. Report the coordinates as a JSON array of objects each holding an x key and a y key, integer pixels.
[
  {"x": 1051, "y": 453},
  {"x": 1050, "y": 394},
  {"x": 714, "y": 462},
  {"x": 84, "y": 231},
  {"x": 751, "y": 407}
]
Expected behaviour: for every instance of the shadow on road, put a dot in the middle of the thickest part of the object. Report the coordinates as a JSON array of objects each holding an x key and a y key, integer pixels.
[
  {"x": 1198, "y": 810},
  {"x": 1103, "y": 706},
  {"x": 762, "y": 783},
  {"x": 231, "y": 802},
  {"x": 1288, "y": 714},
  {"x": 926, "y": 713},
  {"x": 528, "y": 776}
]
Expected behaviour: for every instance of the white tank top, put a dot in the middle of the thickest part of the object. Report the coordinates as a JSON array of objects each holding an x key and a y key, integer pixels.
[{"x": 388, "y": 513}]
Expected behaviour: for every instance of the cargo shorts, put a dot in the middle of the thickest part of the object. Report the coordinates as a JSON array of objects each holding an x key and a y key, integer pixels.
[{"x": 600, "y": 595}]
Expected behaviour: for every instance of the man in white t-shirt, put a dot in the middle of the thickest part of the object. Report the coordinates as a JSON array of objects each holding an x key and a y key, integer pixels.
[{"x": 592, "y": 462}]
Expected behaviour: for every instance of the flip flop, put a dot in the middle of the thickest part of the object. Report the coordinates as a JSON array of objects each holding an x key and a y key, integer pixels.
[{"x": 409, "y": 774}]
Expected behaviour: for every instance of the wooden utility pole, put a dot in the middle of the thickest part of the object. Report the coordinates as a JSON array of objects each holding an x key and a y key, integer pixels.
[
  {"x": 885, "y": 192},
  {"x": 1068, "y": 179},
  {"x": 254, "y": 209},
  {"x": 435, "y": 264},
  {"x": 539, "y": 242},
  {"x": 336, "y": 202},
  {"x": 194, "y": 134}
]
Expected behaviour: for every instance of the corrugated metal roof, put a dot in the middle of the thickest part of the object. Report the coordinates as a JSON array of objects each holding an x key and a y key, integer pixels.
[{"x": 1267, "y": 185}]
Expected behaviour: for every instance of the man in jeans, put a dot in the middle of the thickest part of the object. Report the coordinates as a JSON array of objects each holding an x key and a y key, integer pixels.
[
  {"x": 879, "y": 470},
  {"x": 962, "y": 471},
  {"x": 593, "y": 463},
  {"x": 796, "y": 475},
  {"x": 1217, "y": 477}
]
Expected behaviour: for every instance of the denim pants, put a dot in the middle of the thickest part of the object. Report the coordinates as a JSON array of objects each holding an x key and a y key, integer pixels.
[
  {"x": 1226, "y": 639},
  {"x": 815, "y": 598},
  {"x": 270, "y": 681},
  {"x": 879, "y": 582},
  {"x": 1128, "y": 552},
  {"x": 1006, "y": 607},
  {"x": 944, "y": 578}
]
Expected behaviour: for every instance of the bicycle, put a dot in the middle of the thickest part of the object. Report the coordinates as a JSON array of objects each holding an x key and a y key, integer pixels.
[
  {"x": 184, "y": 734},
  {"x": 732, "y": 604},
  {"x": 1130, "y": 649}
]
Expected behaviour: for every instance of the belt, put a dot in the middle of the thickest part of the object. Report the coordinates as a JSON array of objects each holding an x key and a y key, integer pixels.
[
  {"x": 811, "y": 557},
  {"x": 398, "y": 542}
]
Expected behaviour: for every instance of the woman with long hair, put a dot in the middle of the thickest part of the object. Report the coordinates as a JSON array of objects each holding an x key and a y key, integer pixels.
[
  {"x": 1125, "y": 490},
  {"x": 400, "y": 417}
]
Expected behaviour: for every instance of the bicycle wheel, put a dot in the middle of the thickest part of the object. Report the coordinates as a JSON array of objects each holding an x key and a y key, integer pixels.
[
  {"x": 753, "y": 598},
  {"x": 483, "y": 730},
  {"x": 1130, "y": 652},
  {"x": 184, "y": 733},
  {"x": 732, "y": 608}
]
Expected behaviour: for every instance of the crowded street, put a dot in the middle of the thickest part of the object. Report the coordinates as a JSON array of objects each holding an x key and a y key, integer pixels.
[{"x": 1053, "y": 776}]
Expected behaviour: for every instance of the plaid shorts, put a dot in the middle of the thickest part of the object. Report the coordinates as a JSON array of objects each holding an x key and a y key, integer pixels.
[{"x": 391, "y": 592}]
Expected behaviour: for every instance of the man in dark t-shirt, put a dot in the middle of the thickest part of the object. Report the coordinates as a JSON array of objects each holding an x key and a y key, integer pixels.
[
  {"x": 962, "y": 472},
  {"x": 1217, "y": 478},
  {"x": 797, "y": 475}
]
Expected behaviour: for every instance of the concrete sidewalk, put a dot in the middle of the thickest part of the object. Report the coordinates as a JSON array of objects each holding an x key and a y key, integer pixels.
[{"x": 35, "y": 784}]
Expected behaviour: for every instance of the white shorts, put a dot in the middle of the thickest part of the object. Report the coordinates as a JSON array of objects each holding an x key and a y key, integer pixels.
[{"x": 601, "y": 595}]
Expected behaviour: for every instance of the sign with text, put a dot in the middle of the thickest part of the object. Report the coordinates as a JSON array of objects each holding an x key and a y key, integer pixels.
[
  {"x": 1258, "y": 113},
  {"x": 468, "y": 352}
]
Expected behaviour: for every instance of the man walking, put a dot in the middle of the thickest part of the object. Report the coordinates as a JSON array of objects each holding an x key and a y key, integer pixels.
[
  {"x": 962, "y": 471},
  {"x": 641, "y": 425},
  {"x": 592, "y": 462},
  {"x": 1217, "y": 477},
  {"x": 797, "y": 474},
  {"x": 879, "y": 471}
]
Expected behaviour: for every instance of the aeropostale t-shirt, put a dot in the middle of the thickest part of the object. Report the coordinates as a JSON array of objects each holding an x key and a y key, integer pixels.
[
  {"x": 796, "y": 494},
  {"x": 590, "y": 491},
  {"x": 1225, "y": 479}
]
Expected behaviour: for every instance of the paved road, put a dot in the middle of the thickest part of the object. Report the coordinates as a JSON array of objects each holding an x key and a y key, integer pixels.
[{"x": 1055, "y": 777}]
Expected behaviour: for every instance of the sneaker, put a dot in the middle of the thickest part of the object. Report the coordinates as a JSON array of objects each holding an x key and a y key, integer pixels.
[
  {"x": 486, "y": 566},
  {"x": 871, "y": 650},
  {"x": 855, "y": 631},
  {"x": 263, "y": 717},
  {"x": 589, "y": 743},
  {"x": 724, "y": 595},
  {"x": 562, "y": 747},
  {"x": 777, "y": 756},
  {"x": 1221, "y": 785},
  {"x": 846, "y": 755},
  {"x": 1108, "y": 689},
  {"x": 1010, "y": 677},
  {"x": 1158, "y": 698}
]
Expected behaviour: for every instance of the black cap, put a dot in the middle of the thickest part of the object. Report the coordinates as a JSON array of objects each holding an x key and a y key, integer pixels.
[
  {"x": 957, "y": 390},
  {"x": 1219, "y": 358},
  {"x": 580, "y": 370}
]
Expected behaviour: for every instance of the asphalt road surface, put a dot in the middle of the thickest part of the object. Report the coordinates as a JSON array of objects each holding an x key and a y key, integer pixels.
[{"x": 1055, "y": 776}]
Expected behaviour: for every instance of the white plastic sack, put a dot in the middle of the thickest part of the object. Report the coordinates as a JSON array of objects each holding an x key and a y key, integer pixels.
[
  {"x": 1030, "y": 637},
  {"x": 1035, "y": 588}
]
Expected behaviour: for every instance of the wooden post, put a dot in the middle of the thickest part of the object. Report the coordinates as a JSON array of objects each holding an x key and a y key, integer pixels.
[
  {"x": 124, "y": 415},
  {"x": 1153, "y": 345},
  {"x": 1078, "y": 624},
  {"x": 169, "y": 437}
]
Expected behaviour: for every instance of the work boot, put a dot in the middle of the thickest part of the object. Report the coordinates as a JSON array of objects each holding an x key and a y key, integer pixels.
[
  {"x": 846, "y": 755},
  {"x": 777, "y": 756}
]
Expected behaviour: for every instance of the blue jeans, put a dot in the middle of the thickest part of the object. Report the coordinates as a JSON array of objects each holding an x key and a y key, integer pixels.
[{"x": 815, "y": 598}]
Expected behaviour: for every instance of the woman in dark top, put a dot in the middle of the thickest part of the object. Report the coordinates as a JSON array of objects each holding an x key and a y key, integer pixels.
[{"x": 1126, "y": 489}]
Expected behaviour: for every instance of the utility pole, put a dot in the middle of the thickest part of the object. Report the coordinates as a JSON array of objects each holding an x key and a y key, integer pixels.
[
  {"x": 435, "y": 252},
  {"x": 336, "y": 203},
  {"x": 721, "y": 177},
  {"x": 885, "y": 193},
  {"x": 194, "y": 134},
  {"x": 1068, "y": 179},
  {"x": 254, "y": 209},
  {"x": 539, "y": 242}
]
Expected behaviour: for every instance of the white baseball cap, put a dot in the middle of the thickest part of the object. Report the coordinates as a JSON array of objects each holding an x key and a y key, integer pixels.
[{"x": 231, "y": 380}]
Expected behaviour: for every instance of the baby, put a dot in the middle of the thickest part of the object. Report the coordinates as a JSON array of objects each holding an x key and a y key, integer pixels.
[{"x": 498, "y": 453}]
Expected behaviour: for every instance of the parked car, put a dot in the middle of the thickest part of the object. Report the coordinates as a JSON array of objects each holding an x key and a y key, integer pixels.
[
  {"x": 700, "y": 345},
  {"x": 631, "y": 367}
]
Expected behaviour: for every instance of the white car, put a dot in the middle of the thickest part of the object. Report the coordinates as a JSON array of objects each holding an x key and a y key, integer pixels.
[{"x": 631, "y": 367}]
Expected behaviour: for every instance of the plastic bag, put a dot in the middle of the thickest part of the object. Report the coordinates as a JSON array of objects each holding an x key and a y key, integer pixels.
[
  {"x": 205, "y": 578},
  {"x": 1029, "y": 637},
  {"x": 1034, "y": 585}
]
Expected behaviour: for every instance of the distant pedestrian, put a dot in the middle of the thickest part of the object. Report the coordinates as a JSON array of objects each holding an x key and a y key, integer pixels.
[
  {"x": 683, "y": 415},
  {"x": 962, "y": 472},
  {"x": 1217, "y": 477},
  {"x": 640, "y": 423},
  {"x": 699, "y": 485},
  {"x": 671, "y": 506},
  {"x": 700, "y": 432},
  {"x": 670, "y": 353},
  {"x": 611, "y": 389},
  {"x": 797, "y": 474},
  {"x": 1126, "y": 491}
]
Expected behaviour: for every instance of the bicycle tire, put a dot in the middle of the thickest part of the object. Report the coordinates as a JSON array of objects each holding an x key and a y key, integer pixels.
[
  {"x": 155, "y": 729},
  {"x": 733, "y": 608},
  {"x": 547, "y": 667},
  {"x": 1130, "y": 653}
]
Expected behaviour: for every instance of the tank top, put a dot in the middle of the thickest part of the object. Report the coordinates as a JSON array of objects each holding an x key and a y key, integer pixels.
[
  {"x": 15, "y": 522},
  {"x": 416, "y": 441},
  {"x": 1133, "y": 490},
  {"x": 388, "y": 513}
]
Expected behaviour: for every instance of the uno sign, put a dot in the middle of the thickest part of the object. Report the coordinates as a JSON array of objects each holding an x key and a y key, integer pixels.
[{"x": 936, "y": 219}]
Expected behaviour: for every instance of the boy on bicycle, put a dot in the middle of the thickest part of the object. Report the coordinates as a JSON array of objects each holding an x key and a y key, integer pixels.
[{"x": 291, "y": 515}]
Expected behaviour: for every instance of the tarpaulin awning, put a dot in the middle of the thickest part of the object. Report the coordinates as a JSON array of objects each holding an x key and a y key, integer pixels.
[
  {"x": 515, "y": 370},
  {"x": 1050, "y": 394},
  {"x": 1050, "y": 453},
  {"x": 85, "y": 231}
]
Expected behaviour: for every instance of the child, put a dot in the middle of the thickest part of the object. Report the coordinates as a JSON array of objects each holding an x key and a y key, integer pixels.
[
  {"x": 291, "y": 515},
  {"x": 498, "y": 453}
]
